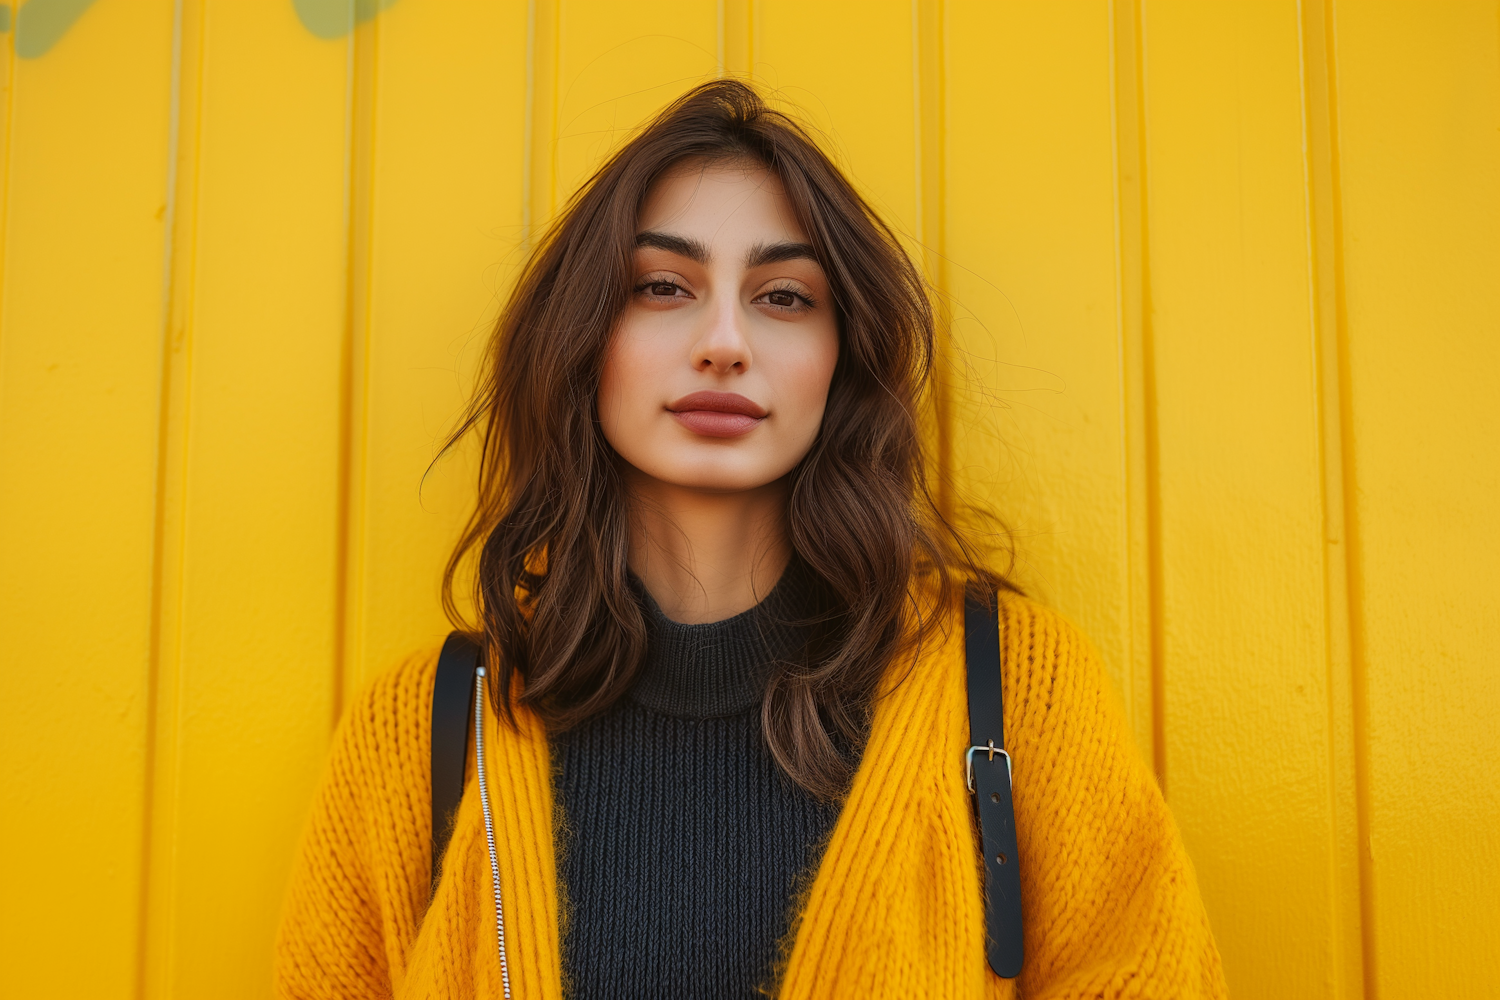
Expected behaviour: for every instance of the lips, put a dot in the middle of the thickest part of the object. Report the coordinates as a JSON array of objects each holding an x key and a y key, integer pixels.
[{"x": 717, "y": 414}]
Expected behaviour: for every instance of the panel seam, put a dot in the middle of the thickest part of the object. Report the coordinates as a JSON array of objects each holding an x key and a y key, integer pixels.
[
  {"x": 174, "y": 397},
  {"x": 158, "y": 513},
  {"x": 1353, "y": 567}
]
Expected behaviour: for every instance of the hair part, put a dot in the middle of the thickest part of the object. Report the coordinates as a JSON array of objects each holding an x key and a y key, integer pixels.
[{"x": 566, "y": 633}]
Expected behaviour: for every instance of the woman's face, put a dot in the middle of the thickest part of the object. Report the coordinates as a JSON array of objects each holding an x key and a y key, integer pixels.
[{"x": 718, "y": 370}]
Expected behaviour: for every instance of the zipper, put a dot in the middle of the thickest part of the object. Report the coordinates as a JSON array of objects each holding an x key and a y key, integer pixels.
[{"x": 489, "y": 828}]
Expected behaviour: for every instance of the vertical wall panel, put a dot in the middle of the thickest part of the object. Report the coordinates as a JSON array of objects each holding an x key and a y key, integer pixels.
[
  {"x": 615, "y": 66},
  {"x": 247, "y": 667},
  {"x": 446, "y": 228},
  {"x": 80, "y": 352},
  {"x": 1246, "y": 709},
  {"x": 1419, "y": 161},
  {"x": 1037, "y": 428},
  {"x": 869, "y": 118}
]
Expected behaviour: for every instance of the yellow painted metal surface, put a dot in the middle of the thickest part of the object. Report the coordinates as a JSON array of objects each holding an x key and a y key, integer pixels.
[{"x": 1223, "y": 283}]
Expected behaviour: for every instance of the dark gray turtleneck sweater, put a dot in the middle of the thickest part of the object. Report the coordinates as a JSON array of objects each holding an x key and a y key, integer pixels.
[{"x": 683, "y": 841}]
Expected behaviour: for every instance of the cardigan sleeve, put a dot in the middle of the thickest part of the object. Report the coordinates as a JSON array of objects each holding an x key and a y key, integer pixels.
[
  {"x": 1111, "y": 905},
  {"x": 359, "y": 884}
]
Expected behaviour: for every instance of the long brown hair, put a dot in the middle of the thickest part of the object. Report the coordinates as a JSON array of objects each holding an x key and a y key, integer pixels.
[{"x": 550, "y": 527}]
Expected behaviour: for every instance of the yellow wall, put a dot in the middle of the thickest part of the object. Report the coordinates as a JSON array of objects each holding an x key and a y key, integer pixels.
[{"x": 1224, "y": 281}]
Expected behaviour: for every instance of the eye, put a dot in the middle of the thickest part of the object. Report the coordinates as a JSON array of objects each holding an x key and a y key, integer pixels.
[
  {"x": 661, "y": 288},
  {"x": 787, "y": 298}
]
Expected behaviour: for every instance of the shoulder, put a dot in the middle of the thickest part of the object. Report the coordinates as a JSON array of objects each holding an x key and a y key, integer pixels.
[
  {"x": 1039, "y": 646},
  {"x": 389, "y": 716},
  {"x": 365, "y": 858},
  {"x": 1037, "y": 637},
  {"x": 1054, "y": 680}
]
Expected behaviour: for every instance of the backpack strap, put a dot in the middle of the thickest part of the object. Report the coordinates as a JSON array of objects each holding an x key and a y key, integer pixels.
[
  {"x": 987, "y": 768},
  {"x": 452, "y": 698}
]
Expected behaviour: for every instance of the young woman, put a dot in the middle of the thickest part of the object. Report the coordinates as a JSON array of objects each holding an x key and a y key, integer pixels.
[{"x": 725, "y": 715}]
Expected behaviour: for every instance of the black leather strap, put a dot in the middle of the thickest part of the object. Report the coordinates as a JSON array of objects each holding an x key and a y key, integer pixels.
[
  {"x": 990, "y": 778},
  {"x": 452, "y": 710}
]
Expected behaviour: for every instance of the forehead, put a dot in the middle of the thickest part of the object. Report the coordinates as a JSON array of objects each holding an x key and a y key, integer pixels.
[{"x": 720, "y": 202}]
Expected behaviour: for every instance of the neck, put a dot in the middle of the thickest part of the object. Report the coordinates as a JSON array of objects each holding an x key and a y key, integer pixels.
[{"x": 705, "y": 556}]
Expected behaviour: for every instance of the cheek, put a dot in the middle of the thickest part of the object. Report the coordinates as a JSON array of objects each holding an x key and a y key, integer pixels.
[
  {"x": 625, "y": 384},
  {"x": 807, "y": 371},
  {"x": 614, "y": 381}
]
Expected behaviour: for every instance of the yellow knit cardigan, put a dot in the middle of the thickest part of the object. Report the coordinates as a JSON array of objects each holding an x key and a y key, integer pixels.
[{"x": 894, "y": 909}]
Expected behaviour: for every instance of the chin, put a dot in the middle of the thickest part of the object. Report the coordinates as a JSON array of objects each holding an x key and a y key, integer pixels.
[
  {"x": 718, "y": 478},
  {"x": 725, "y": 483}
]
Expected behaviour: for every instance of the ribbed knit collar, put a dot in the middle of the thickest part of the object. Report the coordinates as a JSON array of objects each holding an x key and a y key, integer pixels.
[{"x": 720, "y": 668}]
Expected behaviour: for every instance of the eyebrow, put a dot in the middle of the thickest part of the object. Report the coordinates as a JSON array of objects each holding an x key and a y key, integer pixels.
[
  {"x": 777, "y": 253},
  {"x": 682, "y": 246},
  {"x": 758, "y": 256}
]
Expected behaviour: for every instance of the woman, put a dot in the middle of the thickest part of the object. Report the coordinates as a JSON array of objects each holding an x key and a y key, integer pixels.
[{"x": 725, "y": 715}]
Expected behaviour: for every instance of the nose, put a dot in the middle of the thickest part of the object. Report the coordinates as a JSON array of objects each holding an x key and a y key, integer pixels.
[{"x": 723, "y": 344}]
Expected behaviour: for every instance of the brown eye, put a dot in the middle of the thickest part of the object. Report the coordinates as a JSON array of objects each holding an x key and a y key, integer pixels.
[
  {"x": 663, "y": 288},
  {"x": 784, "y": 299}
]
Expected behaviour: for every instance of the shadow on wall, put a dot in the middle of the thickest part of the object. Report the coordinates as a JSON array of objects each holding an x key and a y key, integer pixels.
[{"x": 40, "y": 24}]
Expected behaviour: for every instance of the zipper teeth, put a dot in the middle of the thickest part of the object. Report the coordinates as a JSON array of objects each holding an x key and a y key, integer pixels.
[{"x": 489, "y": 828}]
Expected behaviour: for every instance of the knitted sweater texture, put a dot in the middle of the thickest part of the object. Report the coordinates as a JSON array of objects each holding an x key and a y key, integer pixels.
[
  {"x": 681, "y": 840},
  {"x": 894, "y": 909}
]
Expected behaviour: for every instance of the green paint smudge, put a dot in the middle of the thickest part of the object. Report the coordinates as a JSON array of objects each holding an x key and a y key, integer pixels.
[
  {"x": 333, "y": 18},
  {"x": 41, "y": 23},
  {"x": 4, "y": 19}
]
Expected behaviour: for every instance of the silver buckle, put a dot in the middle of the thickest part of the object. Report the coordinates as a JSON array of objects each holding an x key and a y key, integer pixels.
[{"x": 991, "y": 750}]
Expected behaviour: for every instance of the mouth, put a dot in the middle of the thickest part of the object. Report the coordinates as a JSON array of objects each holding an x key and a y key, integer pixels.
[{"x": 717, "y": 414}]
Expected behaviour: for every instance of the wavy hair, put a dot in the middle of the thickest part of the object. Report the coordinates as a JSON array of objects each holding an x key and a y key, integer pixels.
[{"x": 550, "y": 527}]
